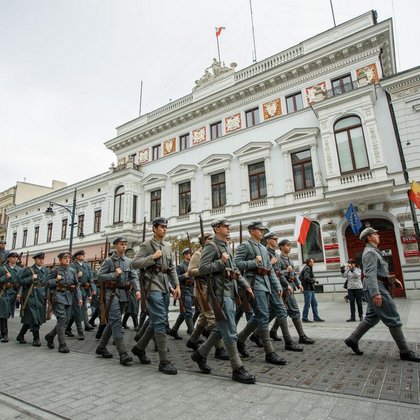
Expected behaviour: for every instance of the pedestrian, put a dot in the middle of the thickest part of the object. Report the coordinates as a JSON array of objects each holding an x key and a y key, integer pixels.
[
  {"x": 9, "y": 285},
  {"x": 64, "y": 285},
  {"x": 187, "y": 295},
  {"x": 219, "y": 268},
  {"x": 117, "y": 276},
  {"x": 154, "y": 258},
  {"x": 353, "y": 276},
  {"x": 206, "y": 321},
  {"x": 308, "y": 281},
  {"x": 380, "y": 305},
  {"x": 253, "y": 259},
  {"x": 285, "y": 270},
  {"x": 34, "y": 294}
]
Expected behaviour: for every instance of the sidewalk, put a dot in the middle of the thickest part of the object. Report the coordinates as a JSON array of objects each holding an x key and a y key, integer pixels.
[{"x": 324, "y": 382}]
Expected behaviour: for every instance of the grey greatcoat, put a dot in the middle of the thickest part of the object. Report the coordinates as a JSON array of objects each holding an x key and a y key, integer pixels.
[
  {"x": 35, "y": 311},
  {"x": 86, "y": 287},
  {"x": 8, "y": 290}
]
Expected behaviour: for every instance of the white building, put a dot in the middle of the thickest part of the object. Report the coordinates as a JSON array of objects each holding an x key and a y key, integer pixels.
[{"x": 307, "y": 131}]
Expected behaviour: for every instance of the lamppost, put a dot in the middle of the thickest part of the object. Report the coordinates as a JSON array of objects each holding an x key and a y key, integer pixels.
[{"x": 72, "y": 212}]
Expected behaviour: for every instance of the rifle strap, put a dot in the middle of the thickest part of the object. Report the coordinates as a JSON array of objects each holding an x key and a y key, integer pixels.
[{"x": 28, "y": 295}]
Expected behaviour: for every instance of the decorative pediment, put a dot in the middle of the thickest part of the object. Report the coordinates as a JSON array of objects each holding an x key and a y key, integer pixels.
[
  {"x": 253, "y": 148},
  {"x": 153, "y": 181},
  {"x": 298, "y": 135},
  {"x": 182, "y": 169},
  {"x": 215, "y": 159}
]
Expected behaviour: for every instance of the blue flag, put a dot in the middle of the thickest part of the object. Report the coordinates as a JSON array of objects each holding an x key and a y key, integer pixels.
[{"x": 353, "y": 219}]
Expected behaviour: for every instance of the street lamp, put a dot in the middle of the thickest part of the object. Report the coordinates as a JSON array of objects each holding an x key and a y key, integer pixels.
[{"x": 72, "y": 212}]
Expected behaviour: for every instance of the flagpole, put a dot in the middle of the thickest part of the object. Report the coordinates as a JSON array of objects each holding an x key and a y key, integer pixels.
[
  {"x": 254, "y": 58},
  {"x": 141, "y": 97},
  {"x": 332, "y": 11},
  {"x": 218, "y": 48}
]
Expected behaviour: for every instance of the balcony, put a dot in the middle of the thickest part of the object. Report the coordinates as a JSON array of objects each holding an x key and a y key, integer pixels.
[{"x": 369, "y": 186}]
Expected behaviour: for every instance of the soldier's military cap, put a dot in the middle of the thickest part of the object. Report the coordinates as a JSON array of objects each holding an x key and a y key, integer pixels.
[
  {"x": 160, "y": 221},
  {"x": 206, "y": 236},
  {"x": 284, "y": 242},
  {"x": 3, "y": 242},
  {"x": 38, "y": 255},
  {"x": 81, "y": 252},
  {"x": 270, "y": 235},
  {"x": 13, "y": 254},
  {"x": 366, "y": 232},
  {"x": 119, "y": 239},
  {"x": 256, "y": 225},
  {"x": 63, "y": 255},
  {"x": 218, "y": 222},
  {"x": 186, "y": 251}
]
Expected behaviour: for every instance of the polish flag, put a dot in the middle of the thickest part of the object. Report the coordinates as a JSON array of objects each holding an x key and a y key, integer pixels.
[
  {"x": 302, "y": 228},
  {"x": 219, "y": 30}
]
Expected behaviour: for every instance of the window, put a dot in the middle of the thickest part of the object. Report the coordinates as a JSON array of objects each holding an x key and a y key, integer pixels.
[
  {"x": 156, "y": 152},
  {"x": 14, "y": 240},
  {"x": 342, "y": 85},
  {"x": 118, "y": 204},
  {"x": 216, "y": 130},
  {"x": 257, "y": 182},
  {"x": 64, "y": 224},
  {"x": 134, "y": 208},
  {"x": 184, "y": 198},
  {"x": 184, "y": 142},
  {"x": 313, "y": 245},
  {"x": 80, "y": 224},
  {"x": 36, "y": 235},
  {"x": 252, "y": 117},
  {"x": 97, "y": 221},
  {"x": 155, "y": 197},
  {"x": 49, "y": 231},
  {"x": 25, "y": 237},
  {"x": 351, "y": 148},
  {"x": 302, "y": 170},
  {"x": 294, "y": 102},
  {"x": 218, "y": 190}
]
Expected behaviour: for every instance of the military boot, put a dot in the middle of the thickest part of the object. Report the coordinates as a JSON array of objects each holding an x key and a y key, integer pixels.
[{"x": 36, "y": 342}]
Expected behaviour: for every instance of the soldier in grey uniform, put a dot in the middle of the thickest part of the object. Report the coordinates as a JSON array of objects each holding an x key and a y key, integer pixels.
[
  {"x": 253, "y": 259},
  {"x": 187, "y": 295},
  {"x": 284, "y": 269},
  {"x": 9, "y": 285},
  {"x": 117, "y": 276},
  {"x": 219, "y": 268},
  {"x": 3, "y": 252},
  {"x": 87, "y": 289},
  {"x": 62, "y": 281},
  {"x": 380, "y": 305},
  {"x": 154, "y": 258},
  {"x": 33, "y": 310}
]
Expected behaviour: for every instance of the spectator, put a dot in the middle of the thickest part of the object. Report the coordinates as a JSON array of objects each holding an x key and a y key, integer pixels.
[
  {"x": 353, "y": 276},
  {"x": 308, "y": 281}
]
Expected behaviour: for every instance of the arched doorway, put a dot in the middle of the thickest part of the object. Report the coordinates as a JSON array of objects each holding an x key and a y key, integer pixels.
[{"x": 388, "y": 245}]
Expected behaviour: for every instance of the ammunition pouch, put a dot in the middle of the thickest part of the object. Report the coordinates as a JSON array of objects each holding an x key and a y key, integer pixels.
[
  {"x": 189, "y": 282},
  {"x": 160, "y": 269},
  {"x": 86, "y": 286},
  {"x": 261, "y": 271},
  {"x": 229, "y": 274},
  {"x": 65, "y": 288},
  {"x": 7, "y": 285}
]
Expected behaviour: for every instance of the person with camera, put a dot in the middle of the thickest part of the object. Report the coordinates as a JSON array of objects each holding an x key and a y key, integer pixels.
[
  {"x": 308, "y": 281},
  {"x": 380, "y": 305},
  {"x": 354, "y": 286}
]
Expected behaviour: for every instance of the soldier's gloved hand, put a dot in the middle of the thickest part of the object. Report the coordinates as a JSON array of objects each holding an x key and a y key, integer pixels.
[{"x": 79, "y": 274}]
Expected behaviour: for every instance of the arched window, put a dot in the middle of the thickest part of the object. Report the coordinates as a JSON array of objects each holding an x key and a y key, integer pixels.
[
  {"x": 313, "y": 245},
  {"x": 118, "y": 204},
  {"x": 351, "y": 146}
]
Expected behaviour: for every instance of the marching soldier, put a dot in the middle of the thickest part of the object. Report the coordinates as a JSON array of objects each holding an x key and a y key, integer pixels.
[
  {"x": 33, "y": 310},
  {"x": 9, "y": 285},
  {"x": 87, "y": 289},
  {"x": 62, "y": 281},
  {"x": 253, "y": 258},
  {"x": 3, "y": 252},
  {"x": 187, "y": 295},
  {"x": 284, "y": 269},
  {"x": 154, "y": 258},
  {"x": 206, "y": 321},
  {"x": 117, "y": 277},
  {"x": 380, "y": 305},
  {"x": 218, "y": 265}
]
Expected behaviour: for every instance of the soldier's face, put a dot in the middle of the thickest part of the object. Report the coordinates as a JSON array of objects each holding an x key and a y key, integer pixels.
[
  {"x": 39, "y": 261},
  {"x": 374, "y": 238},
  {"x": 257, "y": 234},
  {"x": 12, "y": 260},
  {"x": 286, "y": 248},
  {"x": 65, "y": 260},
  {"x": 120, "y": 247},
  {"x": 80, "y": 258},
  {"x": 223, "y": 231},
  {"x": 160, "y": 231}
]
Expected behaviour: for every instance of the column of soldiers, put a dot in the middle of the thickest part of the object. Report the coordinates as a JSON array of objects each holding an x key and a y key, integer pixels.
[{"x": 267, "y": 280}]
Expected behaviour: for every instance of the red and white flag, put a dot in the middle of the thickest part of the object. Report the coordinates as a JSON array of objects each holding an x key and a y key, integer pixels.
[
  {"x": 219, "y": 30},
  {"x": 302, "y": 228}
]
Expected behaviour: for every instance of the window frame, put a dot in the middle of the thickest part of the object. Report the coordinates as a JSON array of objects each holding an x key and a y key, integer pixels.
[
  {"x": 97, "y": 220},
  {"x": 156, "y": 152},
  {"x": 184, "y": 142},
  {"x": 155, "y": 204},
  {"x": 80, "y": 224},
  {"x": 184, "y": 199},
  {"x": 49, "y": 231},
  {"x": 302, "y": 164},
  {"x": 217, "y": 129},
  {"x": 36, "y": 235},
  {"x": 294, "y": 102},
  {"x": 261, "y": 178},
  {"x": 118, "y": 201},
  {"x": 64, "y": 224},
  {"x": 24, "y": 238},
  {"x": 342, "y": 87},
  {"x": 218, "y": 188},
  {"x": 252, "y": 117}
]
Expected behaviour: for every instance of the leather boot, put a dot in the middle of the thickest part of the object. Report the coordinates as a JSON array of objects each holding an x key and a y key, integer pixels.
[
  {"x": 173, "y": 332},
  {"x": 201, "y": 362},
  {"x": 274, "y": 359},
  {"x": 122, "y": 351},
  {"x": 242, "y": 349},
  {"x": 4, "y": 337},
  {"x": 103, "y": 352},
  {"x": 36, "y": 342},
  {"x": 242, "y": 376},
  {"x": 191, "y": 345},
  {"x": 100, "y": 331},
  {"x": 141, "y": 354},
  {"x": 167, "y": 368},
  {"x": 292, "y": 346},
  {"x": 221, "y": 354},
  {"x": 353, "y": 340},
  {"x": 135, "y": 321},
  {"x": 124, "y": 321},
  {"x": 190, "y": 325},
  {"x": 62, "y": 348},
  {"x": 141, "y": 331},
  {"x": 21, "y": 336},
  {"x": 50, "y": 341},
  {"x": 255, "y": 338}
]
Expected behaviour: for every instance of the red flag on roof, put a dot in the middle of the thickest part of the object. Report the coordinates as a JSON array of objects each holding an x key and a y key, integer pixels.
[{"x": 219, "y": 30}]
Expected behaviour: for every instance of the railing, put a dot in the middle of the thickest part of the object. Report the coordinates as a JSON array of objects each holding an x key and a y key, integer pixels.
[
  {"x": 302, "y": 195},
  {"x": 183, "y": 217},
  {"x": 357, "y": 177},
  {"x": 127, "y": 165},
  {"x": 217, "y": 211},
  {"x": 258, "y": 203},
  {"x": 169, "y": 108}
]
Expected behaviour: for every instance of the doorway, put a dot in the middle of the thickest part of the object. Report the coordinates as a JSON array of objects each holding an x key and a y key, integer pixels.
[{"x": 387, "y": 244}]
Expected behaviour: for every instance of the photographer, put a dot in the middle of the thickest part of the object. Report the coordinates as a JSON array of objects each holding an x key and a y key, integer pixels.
[
  {"x": 308, "y": 281},
  {"x": 353, "y": 276}
]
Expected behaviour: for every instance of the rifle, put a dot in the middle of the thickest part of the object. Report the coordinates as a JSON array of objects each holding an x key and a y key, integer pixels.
[
  {"x": 143, "y": 301},
  {"x": 217, "y": 309},
  {"x": 240, "y": 231}
]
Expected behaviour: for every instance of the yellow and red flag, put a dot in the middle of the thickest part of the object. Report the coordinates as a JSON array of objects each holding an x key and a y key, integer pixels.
[
  {"x": 219, "y": 30},
  {"x": 414, "y": 194}
]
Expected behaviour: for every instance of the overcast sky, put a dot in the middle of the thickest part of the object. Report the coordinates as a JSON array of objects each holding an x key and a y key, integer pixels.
[{"x": 70, "y": 70}]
